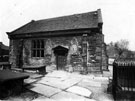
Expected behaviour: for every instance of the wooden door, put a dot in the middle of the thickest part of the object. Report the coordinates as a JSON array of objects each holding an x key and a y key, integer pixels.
[{"x": 61, "y": 62}]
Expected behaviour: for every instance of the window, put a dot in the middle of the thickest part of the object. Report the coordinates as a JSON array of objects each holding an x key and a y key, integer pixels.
[{"x": 37, "y": 48}]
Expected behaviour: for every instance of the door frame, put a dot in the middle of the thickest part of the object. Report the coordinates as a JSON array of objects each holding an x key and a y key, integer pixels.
[{"x": 60, "y": 51}]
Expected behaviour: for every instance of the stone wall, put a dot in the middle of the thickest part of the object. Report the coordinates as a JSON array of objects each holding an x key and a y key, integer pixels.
[
  {"x": 104, "y": 57},
  {"x": 95, "y": 52},
  {"x": 14, "y": 52},
  {"x": 50, "y": 43}
]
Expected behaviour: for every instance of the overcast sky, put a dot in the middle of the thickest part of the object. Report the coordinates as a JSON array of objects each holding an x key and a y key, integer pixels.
[{"x": 118, "y": 15}]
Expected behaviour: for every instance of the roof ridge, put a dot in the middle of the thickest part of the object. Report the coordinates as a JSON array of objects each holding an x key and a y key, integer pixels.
[{"x": 65, "y": 16}]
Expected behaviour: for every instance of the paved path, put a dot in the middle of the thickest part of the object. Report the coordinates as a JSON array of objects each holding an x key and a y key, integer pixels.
[{"x": 64, "y": 86}]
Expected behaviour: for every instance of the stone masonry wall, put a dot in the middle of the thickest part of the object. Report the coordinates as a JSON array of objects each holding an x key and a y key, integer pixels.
[
  {"x": 14, "y": 52},
  {"x": 104, "y": 57},
  {"x": 74, "y": 58},
  {"x": 95, "y": 52},
  {"x": 50, "y": 43}
]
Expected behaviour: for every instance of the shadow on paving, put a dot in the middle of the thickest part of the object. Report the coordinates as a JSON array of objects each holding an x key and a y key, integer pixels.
[{"x": 26, "y": 95}]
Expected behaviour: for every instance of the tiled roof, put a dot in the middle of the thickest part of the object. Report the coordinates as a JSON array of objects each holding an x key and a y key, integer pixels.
[{"x": 76, "y": 21}]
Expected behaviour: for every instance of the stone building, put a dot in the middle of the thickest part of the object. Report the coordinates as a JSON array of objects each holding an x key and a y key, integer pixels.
[
  {"x": 73, "y": 41},
  {"x": 4, "y": 52}
]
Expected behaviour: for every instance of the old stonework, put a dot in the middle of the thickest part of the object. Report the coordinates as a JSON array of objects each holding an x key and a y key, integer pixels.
[{"x": 72, "y": 43}]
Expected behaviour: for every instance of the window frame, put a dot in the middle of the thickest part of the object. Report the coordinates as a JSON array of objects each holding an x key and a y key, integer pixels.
[{"x": 38, "y": 48}]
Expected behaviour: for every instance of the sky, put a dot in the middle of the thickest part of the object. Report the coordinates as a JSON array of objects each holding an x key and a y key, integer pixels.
[{"x": 118, "y": 15}]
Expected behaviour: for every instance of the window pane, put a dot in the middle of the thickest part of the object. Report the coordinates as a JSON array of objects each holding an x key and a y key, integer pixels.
[
  {"x": 34, "y": 53},
  {"x": 38, "y": 53},
  {"x": 38, "y": 44},
  {"x": 34, "y": 44},
  {"x": 42, "y": 53},
  {"x": 42, "y": 43}
]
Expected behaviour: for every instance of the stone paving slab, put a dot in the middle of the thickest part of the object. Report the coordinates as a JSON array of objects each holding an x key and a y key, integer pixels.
[
  {"x": 44, "y": 90},
  {"x": 58, "y": 74},
  {"x": 43, "y": 98},
  {"x": 88, "y": 82},
  {"x": 35, "y": 76},
  {"x": 64, "y": 74},
  {"x": 78, "y": 75},
  {"x": 29, "y": 81},
  {"x": 50, "y": 79},
  {"x": 57, "y": 83},
  {"x": 80, "y": 90},
  {"x": 54, "y": 82},
  {"x": 67, "y": 96},
  {"x": 94, "y": 89},
  {"x": 101, "y": 79},
  {"x": 98, "y": 93},
  {"x": 72, "y": 81}
]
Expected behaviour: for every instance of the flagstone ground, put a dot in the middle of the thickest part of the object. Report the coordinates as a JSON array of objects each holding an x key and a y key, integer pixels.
[{"x": 65, "y": 86}]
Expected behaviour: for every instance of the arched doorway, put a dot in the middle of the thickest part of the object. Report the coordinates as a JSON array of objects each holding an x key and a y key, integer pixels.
[{"x": 61, "y": 57}]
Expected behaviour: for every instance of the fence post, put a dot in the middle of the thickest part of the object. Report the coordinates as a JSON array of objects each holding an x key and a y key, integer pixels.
[{"x": 114, "y": 83}]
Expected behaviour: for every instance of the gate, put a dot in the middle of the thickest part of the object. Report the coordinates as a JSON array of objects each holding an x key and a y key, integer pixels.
[{"x": 124, "y": 80}]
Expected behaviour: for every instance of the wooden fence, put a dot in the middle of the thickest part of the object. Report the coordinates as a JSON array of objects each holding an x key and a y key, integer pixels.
[{"x": 123, "y": 84}]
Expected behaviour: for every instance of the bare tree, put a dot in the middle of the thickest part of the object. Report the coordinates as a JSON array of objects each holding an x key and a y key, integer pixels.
[{"x": 121, "y": 46}]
